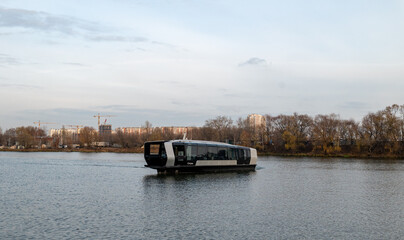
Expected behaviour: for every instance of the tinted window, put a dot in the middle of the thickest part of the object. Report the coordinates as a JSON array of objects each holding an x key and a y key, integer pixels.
[
  {"x": 241, "y": 155},
  {"x": 212, "y": 152},
  {"x": 154, "y": 148},
  {"x": 202, "y": 152},
  {"x": 194, "y": 153},
  {"x": 189, "y": 152},
  {"x": 222, "y": 153},
  {"x": 233, "y": 153},
  {"x": 179, "y": 152}
]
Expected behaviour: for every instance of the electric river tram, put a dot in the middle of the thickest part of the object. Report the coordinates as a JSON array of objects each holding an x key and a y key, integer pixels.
[{"x": 198, "y": 156}]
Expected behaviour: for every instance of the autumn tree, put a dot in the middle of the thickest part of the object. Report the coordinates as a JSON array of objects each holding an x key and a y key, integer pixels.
[
  {"x": 28, "y": 136},
  {"x": 120, "y": 138},
  {"x": 381, "y": 131},
  {"x": 157, "y": 134},
  {"x": 88, "y": 135},
  {"x": 349, "y": 135},
  {"x": 221, "y": 126},
  {"x": 392, "y": 130},
  {"x": 148, "y": 129},
  {"x": 10, "y": 137},
  {"x": 204, "y": 133},
  {"x": 299, "y": 128},
  {"x": 270, "y": 132},
  {"x": 326, "y": 133},
  {"x": 401, "y": 127},
  {"x": 169, "y": 134},
  {"x": 244, "y": 132}
]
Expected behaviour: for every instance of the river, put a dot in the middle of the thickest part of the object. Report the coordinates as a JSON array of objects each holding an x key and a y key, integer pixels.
[{"x": 113, "y": 196}]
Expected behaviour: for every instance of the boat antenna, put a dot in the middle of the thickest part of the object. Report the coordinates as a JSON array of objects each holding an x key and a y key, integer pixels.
[{"x": 185, "y": 136}]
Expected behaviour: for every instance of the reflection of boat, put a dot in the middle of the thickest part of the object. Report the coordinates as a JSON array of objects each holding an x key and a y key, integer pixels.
[{"x": 198, "y": 156}]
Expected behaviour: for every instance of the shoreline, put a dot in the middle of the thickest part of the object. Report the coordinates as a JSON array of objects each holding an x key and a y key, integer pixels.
[
  {"x": 287, "y": 155},
  {"x": 340, "y": 155},
  {"x": 84, "y": 150}
]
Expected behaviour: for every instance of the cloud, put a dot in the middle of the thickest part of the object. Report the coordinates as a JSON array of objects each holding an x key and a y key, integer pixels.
[
  {"x": 21, "y": 86},
  {"x": 75, "y": 64},
  {"x": 7, "y": 59},
  {"x": 46, "y": 22},
  {"x": 254, "y": 62},
  {"x": 43, "y": 21},
  {"x": 354, "y": 105},
  {"x": 116, "y": 108},
  {"x": 117, "y": 39}
]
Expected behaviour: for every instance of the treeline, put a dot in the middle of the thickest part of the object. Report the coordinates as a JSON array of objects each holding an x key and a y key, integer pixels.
[
  {"x": 379, "y": 133},
  {"x": 87, "y": 137}
]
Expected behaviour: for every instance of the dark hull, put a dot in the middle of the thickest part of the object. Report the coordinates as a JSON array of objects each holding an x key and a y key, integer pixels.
[{"x": 202, "y": 169}]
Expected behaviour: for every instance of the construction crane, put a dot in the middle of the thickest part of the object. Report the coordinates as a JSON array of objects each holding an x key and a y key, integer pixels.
[
  {"x": 99, "y": 117},
  {"x": 39, "y": 127},
  {"x": 39, "y": 123}
]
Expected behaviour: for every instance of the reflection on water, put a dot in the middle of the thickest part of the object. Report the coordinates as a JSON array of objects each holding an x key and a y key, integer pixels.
[{"x": 106, "y": 195}]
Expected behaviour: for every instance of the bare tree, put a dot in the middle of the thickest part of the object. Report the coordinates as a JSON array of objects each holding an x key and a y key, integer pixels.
[
  {"x": 120, "y": 138},
  {"x": 157, "y": 134},
  {"x": 148, "y": 129},
  {"x": 10, "y": 137},
  {"x": 349, "y": 135},
  {"x": 88, "y": 135},
  {"x": 25, "y": 136},
  {"x": 326, "y": 133},
  {"x": 1, "y": 137},
  {"x": 381, "y": 131},
  {"x": 222, "y": 126}
]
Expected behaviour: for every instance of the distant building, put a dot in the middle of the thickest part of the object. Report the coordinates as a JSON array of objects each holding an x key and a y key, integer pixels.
[
  {"x": 142, "y": 130},
  {"x": 62, "y": 131},
  {"x": 66, "y": 135},
  {"x": 256, "y": 120},
  {"x": 257, "y": 123},
  {"x": 105, "y": 131},
  {"x": 177, "y": 130},
  {"x": 132, "y": 130}
]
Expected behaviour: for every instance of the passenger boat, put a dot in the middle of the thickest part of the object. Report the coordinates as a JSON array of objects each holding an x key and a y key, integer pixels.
[{"x": 198, "y": 156}]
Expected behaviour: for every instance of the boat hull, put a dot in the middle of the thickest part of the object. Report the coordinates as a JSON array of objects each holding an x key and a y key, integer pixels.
[{"x": 202, "y": 169}]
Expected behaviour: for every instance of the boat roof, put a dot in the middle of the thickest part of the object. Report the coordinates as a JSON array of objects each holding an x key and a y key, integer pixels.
[{"x": 199, "y": 142}]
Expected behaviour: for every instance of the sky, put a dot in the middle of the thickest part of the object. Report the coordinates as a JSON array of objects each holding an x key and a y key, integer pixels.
[{"x": 181, "y": 62}]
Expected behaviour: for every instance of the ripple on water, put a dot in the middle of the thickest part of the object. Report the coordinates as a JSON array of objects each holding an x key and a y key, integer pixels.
[{"x": 93, "y": 196}]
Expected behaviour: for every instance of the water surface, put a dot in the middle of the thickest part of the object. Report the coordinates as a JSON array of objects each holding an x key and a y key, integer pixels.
[{"x": 109, "y": 195}]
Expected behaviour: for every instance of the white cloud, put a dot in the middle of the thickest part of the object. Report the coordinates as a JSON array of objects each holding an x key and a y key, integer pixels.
[{"x": 254, "y": 62}]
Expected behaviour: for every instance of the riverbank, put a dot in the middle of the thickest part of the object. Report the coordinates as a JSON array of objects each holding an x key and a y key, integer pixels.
[
  {"x": 89, "y": 150},
  {"x": 336, "y": 155},
  {"x": 140, "y": 150}
]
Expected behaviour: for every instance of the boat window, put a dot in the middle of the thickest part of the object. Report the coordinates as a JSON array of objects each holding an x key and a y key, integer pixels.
[
  {"x": 232, "y": 153},
  {"x": 194, "y": 152},
  {"x": 212, "y": 153},
  {"x": 154, "y": 149},
  {"x": 222, "y": 153},
  {"x": 248, "y": 154},
  {"x": 202, "y": 152},
  {"x": 189, "y": 152},
  {"x": 241, "y": 155},
  {"x": 179, "y": 152}
]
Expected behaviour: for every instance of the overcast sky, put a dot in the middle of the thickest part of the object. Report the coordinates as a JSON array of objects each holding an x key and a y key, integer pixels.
[{"x": 181, "y": 62}]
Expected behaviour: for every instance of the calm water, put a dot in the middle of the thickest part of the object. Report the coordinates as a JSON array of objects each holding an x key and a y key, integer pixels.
[{"x": 106, "y": 195}]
